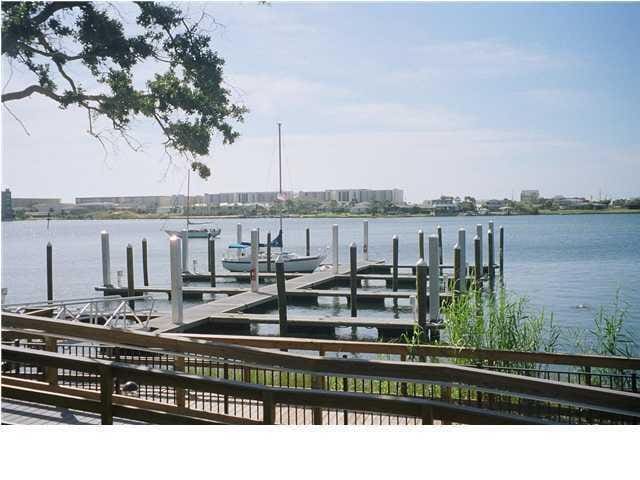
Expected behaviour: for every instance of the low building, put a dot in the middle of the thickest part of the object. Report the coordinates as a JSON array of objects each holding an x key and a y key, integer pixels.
[
  {"x": 494, "y": 205},
  {"x": 529, "y": 196},
  {"x": 7, "y": 206}
]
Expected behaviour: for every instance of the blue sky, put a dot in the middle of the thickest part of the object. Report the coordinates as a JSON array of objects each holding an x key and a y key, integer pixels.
[{"x": 436, "y": 99}]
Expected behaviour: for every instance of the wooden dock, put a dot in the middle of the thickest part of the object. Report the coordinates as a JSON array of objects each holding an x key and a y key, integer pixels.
[{"x": 248, "y": 300}]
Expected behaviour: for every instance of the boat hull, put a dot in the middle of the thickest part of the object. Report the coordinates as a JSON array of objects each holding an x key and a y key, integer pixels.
[
  {"x": 292, "y": 265},
  {"x": 195, "y": 233}
]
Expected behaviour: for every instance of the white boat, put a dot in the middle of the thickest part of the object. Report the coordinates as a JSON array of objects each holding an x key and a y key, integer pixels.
[
  {"x": 238, "y": 259},
  {"x": 194, "y": 232},
  {"x": 293, "y": 263},
  {"x": 197, "y": 232}
]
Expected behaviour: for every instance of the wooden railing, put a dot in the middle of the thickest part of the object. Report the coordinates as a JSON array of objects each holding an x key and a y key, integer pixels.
[
  {"x": 477, "y": 384},
  {"x": 123, "y": 407}
]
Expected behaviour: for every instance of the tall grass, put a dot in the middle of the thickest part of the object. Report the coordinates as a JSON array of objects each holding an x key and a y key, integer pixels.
[{"x": 504, "y": 322}]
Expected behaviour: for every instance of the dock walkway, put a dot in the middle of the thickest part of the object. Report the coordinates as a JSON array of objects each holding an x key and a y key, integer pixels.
[{"x": 246, "y": 300}]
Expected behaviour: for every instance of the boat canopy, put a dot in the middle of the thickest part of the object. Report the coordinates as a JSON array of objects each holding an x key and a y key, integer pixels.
[{"x": 238, "y": 245}]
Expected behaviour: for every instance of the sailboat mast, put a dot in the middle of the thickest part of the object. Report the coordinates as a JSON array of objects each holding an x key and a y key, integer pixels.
[{"x": 280, "y": 179}]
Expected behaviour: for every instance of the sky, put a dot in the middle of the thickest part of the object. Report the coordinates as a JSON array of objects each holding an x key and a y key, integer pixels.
[{"x": 462, "y": 99}]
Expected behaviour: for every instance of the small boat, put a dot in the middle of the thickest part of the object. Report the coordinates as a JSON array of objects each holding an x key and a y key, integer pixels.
[
  {"x": 238, "y": 259},
  {"x": 197, "y": 232}
]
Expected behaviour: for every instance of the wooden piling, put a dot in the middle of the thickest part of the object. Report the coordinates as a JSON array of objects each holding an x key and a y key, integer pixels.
[
  {"x": 462, "y": 267},
  {"x": 268, "y": 252},
  {"x": 282, "y": 297},
  {"x": 420, "y": 244},
  {"x": 479, "y": 234},
  {"x": 336, "y": 256},
  {"x": 176, "y": 280},
  {"x": 353, "y": 274},
  {"x": 434, "y": 279},
  {"x": 365, "y": 240},
  {"x": 51, "y": 345},
  {"x": 421, "y": 292},
  {"x": 308, "y": 242},
  {"x": 106, "y": 259},
  {"x": 49, "y": 272},
  {"x": 491, "y": 252},
  {"x": 456, "y": 271},
  {"x": 184, "y": 249},
  {"x": 131, "y": 291},
  {"x": 211, "y": 257},
  {"x": 145, "y": 265},
  {"x": 439, "y": 229},
  {"x": 255, "y": 266},
  {"x": 501, "y": 251},
  {"x": 477, "y": 247},
  {"x": 394, "y": 271}
]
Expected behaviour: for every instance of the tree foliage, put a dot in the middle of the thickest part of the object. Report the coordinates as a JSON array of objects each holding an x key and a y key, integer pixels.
[{"x": 187, "y": 99}]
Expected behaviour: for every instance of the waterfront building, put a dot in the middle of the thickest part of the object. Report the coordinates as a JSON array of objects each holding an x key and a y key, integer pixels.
[
  {"x": 7, "y": 206},
  {"x": 529, "y": 196}
]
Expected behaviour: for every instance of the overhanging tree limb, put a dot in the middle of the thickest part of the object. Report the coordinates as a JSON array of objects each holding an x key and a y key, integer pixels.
[{"x": 187, "y": 100}]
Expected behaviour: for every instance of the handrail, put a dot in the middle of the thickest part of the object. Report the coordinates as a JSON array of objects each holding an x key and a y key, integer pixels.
[
  {"x": 495, "y": 382},
  {"x": 416, "y": 407},
  {"x": 349, "y": 346}
]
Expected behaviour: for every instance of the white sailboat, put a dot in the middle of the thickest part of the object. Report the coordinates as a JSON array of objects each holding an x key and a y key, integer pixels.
[
  {"x": 195, "y": 232},
  {"x": 238, "y": 258}
]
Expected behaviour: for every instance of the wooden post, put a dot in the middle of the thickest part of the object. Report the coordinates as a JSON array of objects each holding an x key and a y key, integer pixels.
[
  {"x": 131, "y": 291},
  {"x": 336, "y": 256},
  {"x": 462, "y": 243},
  {"x": 491, "y": 251},
  {"x": 238, "y": 236},
  {"x": 345, "y": 388},
  {"x": 501, "y": 251},
  {"x": 353, "y": 275},
  {"x": 51, "y": 345},
  {"x": 421, "y": 292},
  {"x": 268, "y": 408},
  {"x": 317, "y": 383},
  {"x": 49, "y": 272},
  {"x": 456, "y": 271},
  {"x": 420, "y": 244},
  {"x": 282, "y": 297},
  {"x": 308, "y": 241},
  {"x": 184, "y": 248},
  {"x": 427, "y": 415},
  {"x": 394, "y": 270},
  {"x": 106, "y": 395},
  {"x": 439, "y": 229},
  {"x": 212, "y": 259},
  {"x": 365, "y": 240},
  {"x": 145, "y": 265},
  {"x": 178, "y": 366},
  {"x": 434, "y": 280},
  {"x": 106, "y": 259},
  {"x": 479, "y": 259},
  {"x": 255, "y": 266},
  {"x": 268, "y": 252},
  {"x": 176, "y": 280},
  {"x": 477, "y": 247}
]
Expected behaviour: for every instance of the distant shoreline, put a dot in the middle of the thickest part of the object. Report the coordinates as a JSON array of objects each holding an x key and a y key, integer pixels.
[{"x": 153, "y": 216}]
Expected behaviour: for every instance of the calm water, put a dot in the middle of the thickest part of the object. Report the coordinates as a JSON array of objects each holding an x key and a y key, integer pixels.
[{"x": 558, "y": 262}]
